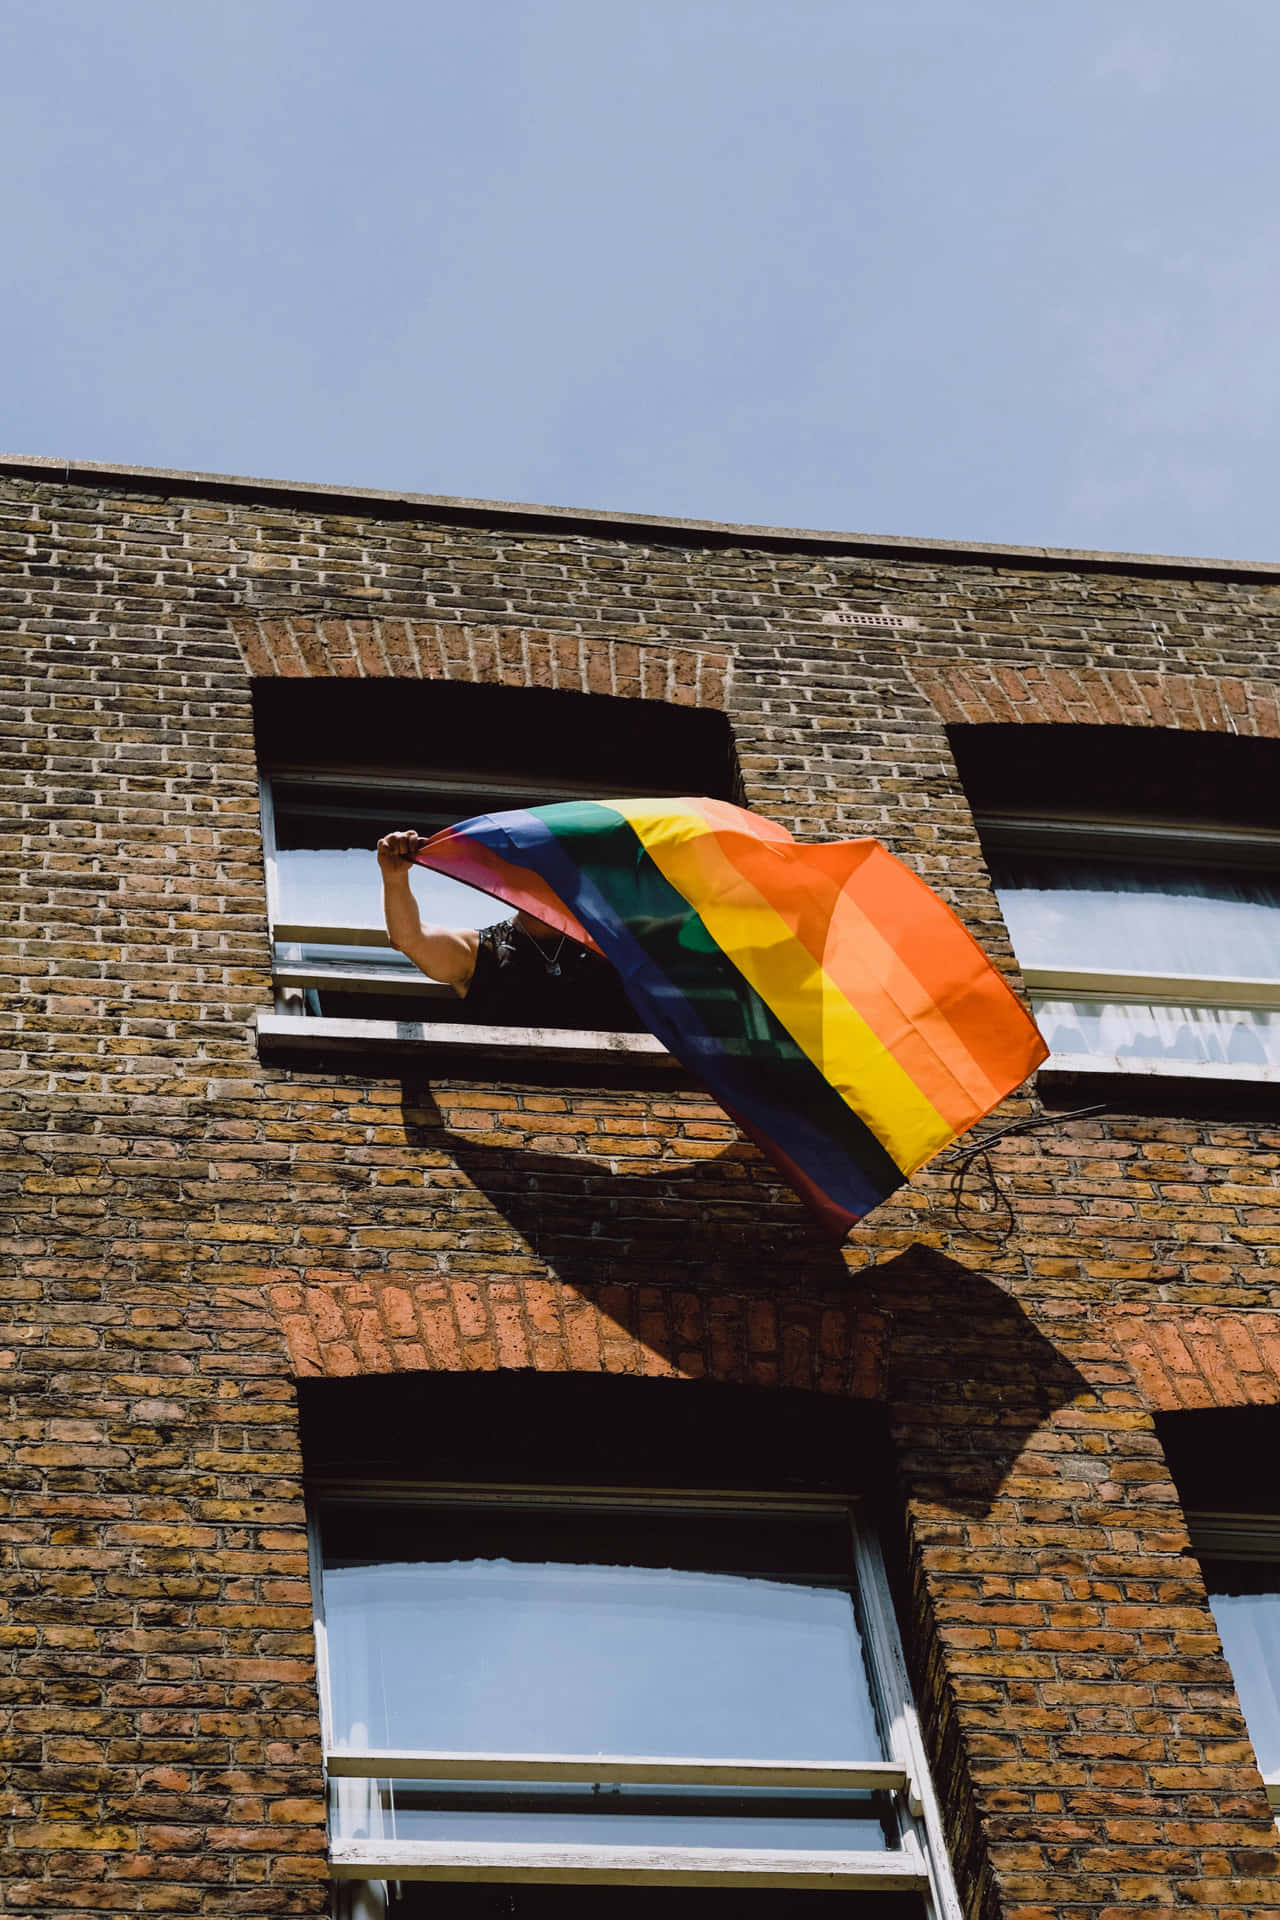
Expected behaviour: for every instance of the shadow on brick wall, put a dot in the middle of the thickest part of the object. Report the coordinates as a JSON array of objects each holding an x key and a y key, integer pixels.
[
  {"x": 723, "y": 1223},
  {"x": 969, "y": 1376}
]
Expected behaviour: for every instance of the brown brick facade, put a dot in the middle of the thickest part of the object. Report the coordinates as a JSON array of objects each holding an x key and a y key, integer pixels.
[{"x": 192, "y": 1230}]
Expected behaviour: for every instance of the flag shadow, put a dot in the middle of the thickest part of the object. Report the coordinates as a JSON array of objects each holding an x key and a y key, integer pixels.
[
  {"x": 968, "y": 1377},
  {"x": 722, "y": 1223}
]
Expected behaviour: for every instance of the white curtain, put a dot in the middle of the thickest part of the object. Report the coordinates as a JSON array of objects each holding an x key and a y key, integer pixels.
[
  {"x": 356, "y": 1809},
  {"x": 1133, "y": 1032},
  {"x": 493, "y": 1656},
  {"x": 1249, "y": 1624},
  {"x": 529, "y": 1657},
  {"x": 1141, "y": 919}
]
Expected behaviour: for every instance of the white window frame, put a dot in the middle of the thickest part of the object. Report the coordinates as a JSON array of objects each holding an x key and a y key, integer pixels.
[
  {"x": 1239, "y": 1536},
  {"x": 920, "y": 1863},
  {"x": 289, "y": 1029},
  {"x": 1010, "y": 832}
]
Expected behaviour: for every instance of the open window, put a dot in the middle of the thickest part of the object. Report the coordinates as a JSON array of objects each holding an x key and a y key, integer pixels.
[
  {"x": 1139, "y": 875},
  {"x": 528, "y": 1684},
  {"x": 342, "y": 763}
]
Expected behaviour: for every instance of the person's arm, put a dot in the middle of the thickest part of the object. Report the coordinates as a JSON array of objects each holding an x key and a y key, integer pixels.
[{"x": 443, "y": 953}]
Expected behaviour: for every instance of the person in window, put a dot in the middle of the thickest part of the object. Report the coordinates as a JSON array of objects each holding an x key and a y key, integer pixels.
[{"x": 516, "y": 973}]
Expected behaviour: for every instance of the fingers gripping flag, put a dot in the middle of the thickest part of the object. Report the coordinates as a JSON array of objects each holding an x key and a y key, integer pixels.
[{"x": 832, "y": 1003}]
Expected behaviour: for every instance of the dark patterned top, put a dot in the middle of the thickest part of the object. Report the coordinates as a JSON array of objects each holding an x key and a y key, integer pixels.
[{"x": 523, "y": 982}]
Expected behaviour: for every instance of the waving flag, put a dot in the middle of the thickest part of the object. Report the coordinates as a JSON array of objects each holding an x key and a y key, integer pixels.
[{"x": 835, "y": 1007}]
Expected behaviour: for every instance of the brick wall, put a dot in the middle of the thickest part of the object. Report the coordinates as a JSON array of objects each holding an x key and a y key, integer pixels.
[{"x": 192, "y": 1230}]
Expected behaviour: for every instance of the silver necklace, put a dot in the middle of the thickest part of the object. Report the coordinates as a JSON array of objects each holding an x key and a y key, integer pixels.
[{"x": 551, "y": 963}]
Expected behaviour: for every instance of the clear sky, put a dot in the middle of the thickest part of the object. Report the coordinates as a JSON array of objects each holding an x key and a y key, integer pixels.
[{"x": 989, "y": 269}]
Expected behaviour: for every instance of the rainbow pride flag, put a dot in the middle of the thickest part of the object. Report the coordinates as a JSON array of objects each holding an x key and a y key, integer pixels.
[{"x": 836, "y": 1008}]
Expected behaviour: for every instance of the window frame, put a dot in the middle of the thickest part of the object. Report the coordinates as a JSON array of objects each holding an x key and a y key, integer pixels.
[
  {"x": 920, "y": 1864},
  {"x": 1015, "y": 832}
]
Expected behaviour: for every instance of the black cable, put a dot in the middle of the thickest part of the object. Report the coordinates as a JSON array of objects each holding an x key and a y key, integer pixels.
[{"x": 971, "y": 1160}]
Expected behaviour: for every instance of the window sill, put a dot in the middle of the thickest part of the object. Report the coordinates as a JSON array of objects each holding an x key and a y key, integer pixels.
[
  {"x": 625, "y": 1866},
  {"x": 292, "y": 1033}
]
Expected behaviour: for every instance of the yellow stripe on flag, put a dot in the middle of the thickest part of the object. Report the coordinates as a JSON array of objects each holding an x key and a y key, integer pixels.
[{"x": 799, "y": 992}]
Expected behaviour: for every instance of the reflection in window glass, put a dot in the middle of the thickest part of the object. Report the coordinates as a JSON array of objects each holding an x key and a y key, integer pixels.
[
  {"x": 693, "y": 1637},
  {"x": 630, "y": 1816},
  {"x": 342, "y": 887},
  {"x": 1140, "y": 919},
  {"x": 455, "y": 1900},
  {"x": 326, "y": 866}
]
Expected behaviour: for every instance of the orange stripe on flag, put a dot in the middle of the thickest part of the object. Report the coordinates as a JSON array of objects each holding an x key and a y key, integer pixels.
[{"x": 848, "y": 904}]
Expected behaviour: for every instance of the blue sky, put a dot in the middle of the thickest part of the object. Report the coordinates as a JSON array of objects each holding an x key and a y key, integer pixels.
[{"x": 962, "y": 268}]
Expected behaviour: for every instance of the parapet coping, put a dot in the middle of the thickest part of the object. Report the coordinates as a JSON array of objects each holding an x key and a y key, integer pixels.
[{"x": 673, "y": 531}]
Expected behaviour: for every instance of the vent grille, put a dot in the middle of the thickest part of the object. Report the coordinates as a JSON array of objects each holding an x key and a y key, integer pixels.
[{"x": 847, "y": 617}]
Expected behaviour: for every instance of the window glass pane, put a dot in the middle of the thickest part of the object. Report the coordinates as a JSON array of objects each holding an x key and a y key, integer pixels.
[
  {"x": 694, "y": 1636},
  {"x": 1119, "y": 1030},
  {"x": 612, "y": 1816},
  {"x": 1140, "y": 919},
  {"x": 456, "y": 1900},
  {"x": 327, "y": 869},
  {"x": 395, "y": 967},
  {"x": 342, "y": 887},
  {"x": 1245, "y": 1598}
]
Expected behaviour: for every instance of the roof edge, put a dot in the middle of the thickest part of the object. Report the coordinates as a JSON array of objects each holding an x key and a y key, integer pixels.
[{"x": 171, "y": 480}]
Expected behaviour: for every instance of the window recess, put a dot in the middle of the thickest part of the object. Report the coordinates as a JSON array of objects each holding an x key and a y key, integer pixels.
[
  {"x": 1146, "y": 947},
  {"x": 342, "y": 763},
  {"x": 636, "y": 1690}
]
